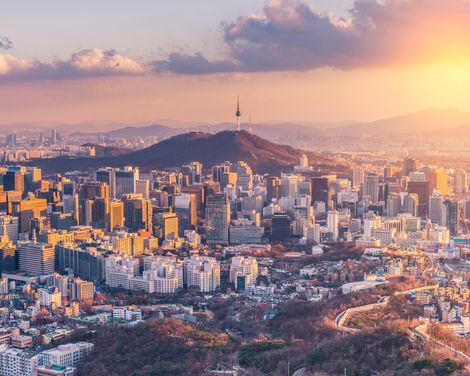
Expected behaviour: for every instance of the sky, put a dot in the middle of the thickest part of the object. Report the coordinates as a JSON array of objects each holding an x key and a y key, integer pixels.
[{"x": 311, "y": 61}]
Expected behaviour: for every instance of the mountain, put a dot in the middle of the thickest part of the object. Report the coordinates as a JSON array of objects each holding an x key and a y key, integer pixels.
[
  {"x": 414, "y": 123},
  {"x": 262, "y": 155}
]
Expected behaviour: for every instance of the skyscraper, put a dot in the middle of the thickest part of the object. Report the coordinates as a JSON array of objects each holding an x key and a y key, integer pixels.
[
  {"x": 333, "y": 223},
  {"x": 409, "y": 165},
  {"x": 218, "y": 219},
  {"x": 421, "y": 188},
  {"x": 273, "y": 189},
  {"x": 186, "y": 210},
  {"x": 116, "y": 215},
  {"x": 371, "y": 187},
  {"x": 137, "y": 212},
  {"x": 460, "y": 181}
]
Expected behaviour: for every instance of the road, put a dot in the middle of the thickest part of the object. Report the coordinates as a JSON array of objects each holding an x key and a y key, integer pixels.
[{"x": 420, "y": 331}]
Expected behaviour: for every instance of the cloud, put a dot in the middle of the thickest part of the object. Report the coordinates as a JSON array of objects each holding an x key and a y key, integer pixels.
[
  {"x": 291, "y": 35},
  {"x": 86, "y": 63},
  {"x": 5, "y": 43}
]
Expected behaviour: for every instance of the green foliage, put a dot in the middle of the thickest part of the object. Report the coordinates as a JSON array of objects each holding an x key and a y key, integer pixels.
[
  {"x": 317, "y": 357},
  {"x": 252, "y": 354},
  {"x": 421, "y": 364}
]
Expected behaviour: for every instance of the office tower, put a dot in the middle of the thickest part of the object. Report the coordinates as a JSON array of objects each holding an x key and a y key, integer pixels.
[
  {"x": 62, "y": 221},
  {"x": 137, "y": 212},
  {"x": 9, "y": 226},
  {"x": 13, "y": 181},
  {"x": 333, "y": 224},
  {"x": 107, "y": 175},
  {"x": 168, "y": 225},
  {"x": 217, "y": 218},
  {"x": 71, "y": 205},
  {"x": 10, "y": 139},
  {"x": 321, "y": 190},
  {"x": 371, "y": 188},
  {"x": 202, "y": 273},
  {"x": 410, "y": 204},
  {"x": 54, "y": 136},
  {"x": 391, "y": 172},
  {"x": 125, "y": 180},
  {"x": 280, "y": 227},
  {"x": 94, "y": 189},
  {"x": 393, "y": 204},
  {"x": 289, "y": 185},
  {"x": 116, "y": 215},
  {"x": 439, "y": 180},
  {"x": 421, "y": 188},
  {"x": 8, "y": 257},
  {"x": 228, "y": 178},
  {"x": 273, "y": 189},
  {"x": 199, "y": 196},
  {"x": 129, "y": 244},
  {"x": 243, "y": 272},
  {"x": 452, "y": 216},
  {"x": 460, "y": 181},
  {"x": 35, "y": 258},
  {"x": 244, "y": 176},
  {"x": 96, "y": 212},
  {"x": 186, "y": 210},
  {"x": 142, "y": 187},
  {"x": 193, "y": 172},
  {"x": 409, "y": 165},
  {"x": 358, "y": 178},
  {"x": 219, "y": 170},
  {"x": 436, "y": 208},
  {"x": 28, "y": 209},
  {"x": 32, "y": 177}
]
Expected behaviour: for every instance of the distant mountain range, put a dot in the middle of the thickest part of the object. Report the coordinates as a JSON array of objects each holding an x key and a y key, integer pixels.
[
  {"x": 439, "y": 123},
  {"x": 262, "y": 155}
]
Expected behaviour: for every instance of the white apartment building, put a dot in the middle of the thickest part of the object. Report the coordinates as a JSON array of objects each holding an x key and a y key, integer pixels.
[
  {"x": 15, "y": 362},
  {"x": 67, "y": 355},
  {"x": 202, "y": 272},
  {"x": 243, "y": 269}
]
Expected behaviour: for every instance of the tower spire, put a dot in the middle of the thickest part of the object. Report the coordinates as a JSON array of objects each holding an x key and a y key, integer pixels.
[{"x": 238, "y": 113}]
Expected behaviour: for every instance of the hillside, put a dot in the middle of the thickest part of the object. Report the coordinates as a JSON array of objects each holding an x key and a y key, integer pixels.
[
  {"x": 262, "y": 155},
  {"x": 417, "y": 123}
]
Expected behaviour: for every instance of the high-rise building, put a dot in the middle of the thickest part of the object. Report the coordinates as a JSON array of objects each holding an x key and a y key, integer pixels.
[
  {"x": 116, "y": 215},
  {"x": 35, "y": 258},
  {"x": 280, "y": 227},
  {"x": 186, "y": 210},
  {"x": 371, "y": 187},
  {"x": 125, "y": 180},
  {"x": 422, "y": 189},
  {"x": 460, "y": 181},
  {"x": 452, "y": 216},
  {"x": 273, "y": 189},
  {"x": 193, "y": 172},
  {"x": 9, "y": 226},
  {"x": 142, "y": 186},
  {"x": 333, "y": 224},
  {"x": 393, "y": 205},
  {"x": 28, "y": 209},
  {"x": 218, "y": 219},
  {"x": 358, "y": 178},
  {"x": 219, "y": 170},
  {"x": 438, "y": 179},
  {"x": 13, "y": 181},
  {"x": 168, "y": 225},
  {"x": 436, "y": 208},
  {"x": 410, "y": 204},
  {"x": 244, "y": 176},
  {"x": 409, "y": 165},
  {"x": 321, "y": 190},
  {"x": 137, "y": 212}
]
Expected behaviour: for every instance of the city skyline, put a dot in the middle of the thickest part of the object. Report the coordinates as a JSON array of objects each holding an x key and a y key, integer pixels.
[{"x": 291, "y": 60}]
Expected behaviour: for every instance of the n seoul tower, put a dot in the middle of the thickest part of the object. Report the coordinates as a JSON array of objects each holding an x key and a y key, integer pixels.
[{"x": 238, "y": 113}]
